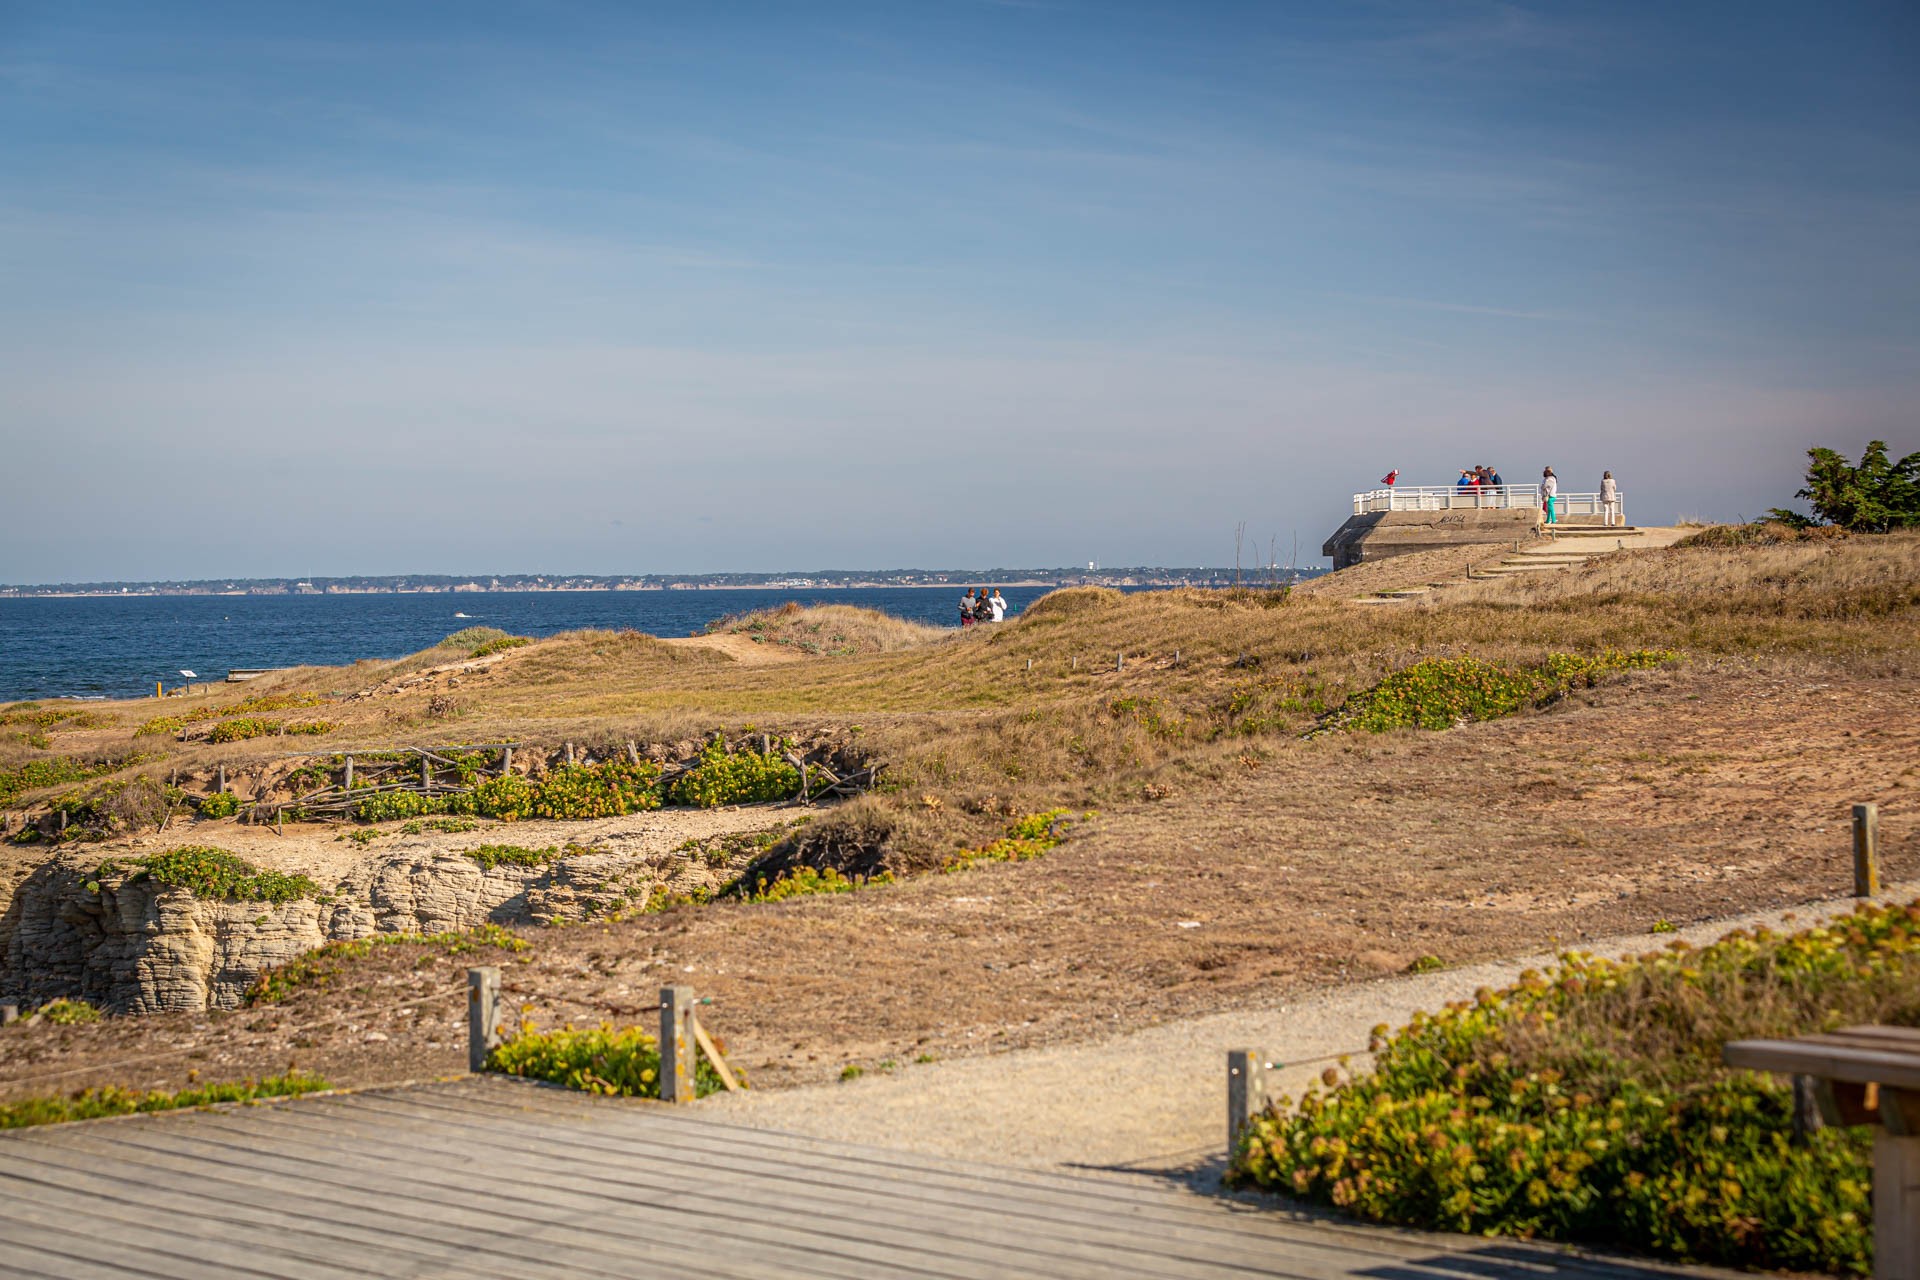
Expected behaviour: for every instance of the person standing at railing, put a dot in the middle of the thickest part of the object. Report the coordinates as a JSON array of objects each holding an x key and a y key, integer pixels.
[
  {"x": 1609, "y": 500},
  {"x": 1550, "y": 486}
]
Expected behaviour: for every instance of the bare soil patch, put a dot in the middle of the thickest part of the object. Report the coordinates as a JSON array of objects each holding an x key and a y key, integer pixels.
[{"x": 1677, "y": 796}]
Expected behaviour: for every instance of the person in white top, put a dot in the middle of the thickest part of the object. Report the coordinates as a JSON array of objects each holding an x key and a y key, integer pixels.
[
  {"x": 999, "y": 603},
  {"x": 1550, "y": 486},
  {"x": 1609, "y": 499}
]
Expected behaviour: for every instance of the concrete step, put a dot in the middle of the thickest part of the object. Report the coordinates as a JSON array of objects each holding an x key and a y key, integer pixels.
[{"x": 1588, "y": 531}]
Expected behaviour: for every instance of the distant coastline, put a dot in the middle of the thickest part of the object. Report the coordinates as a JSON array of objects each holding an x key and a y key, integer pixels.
[{"x": 824, "y": 580}]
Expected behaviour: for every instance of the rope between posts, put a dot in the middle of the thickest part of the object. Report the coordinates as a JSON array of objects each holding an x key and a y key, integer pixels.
[
  {"x": 185, "y": 1049},
  {"x": 1313, "y": 1062}
]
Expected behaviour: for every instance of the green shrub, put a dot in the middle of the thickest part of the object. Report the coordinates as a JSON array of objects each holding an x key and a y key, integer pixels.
[
  {"x": 605, "y": 790},
  {"x": 599, "y": 1060},
  {"x": 1438, "y": 693},
  {"x": 1030, "y": 837},
  {"x": 1589, "y": 1104},
  {"x": 501, "y": 645},
  {"x": 452, "y": 826},
  {"x": 490, "y": 856},
  {"x": 53, "y": 772},
  {"x": 114, "y": 1101},
  {"x": 805, "y": 880},
  {"x": 734, "y": 777},
  {"x": 221, "y": 804},
  {"x": 253, "y": 727},
  {"x": 399, "y": 804},
  {"x": 214, "y": 875},
  {"x": 69, "y": 1013},
  {"x": 324, "y": 963}
]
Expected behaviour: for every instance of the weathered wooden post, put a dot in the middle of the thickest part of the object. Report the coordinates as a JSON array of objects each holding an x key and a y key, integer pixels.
[
  {"x": 349, "y": 782},
  {"x": 569, "y": 753},
  {"x": 426, "y": 775},
  {"x": 1896, "y": 1187},
  {"x": 1029, "y": 664},
  {"x": 9, "y": 1013},
  {"x": 1246, "y": 1092},
  {"x": 1866, "y": 853},
  {"x": 633, "y": 750},
  {"x": 483, "y": 1015},
  {"x": 220, "y": 779},
  {"x": 676, "y": 1044},
  {"x": 1119, "y": 662},
  {"x": 506, "y": 760},
  {"x": 1806, "y": 1108}
]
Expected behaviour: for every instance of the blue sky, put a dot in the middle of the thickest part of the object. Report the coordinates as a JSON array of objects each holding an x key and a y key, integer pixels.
[{"x": 627, "y": 288}]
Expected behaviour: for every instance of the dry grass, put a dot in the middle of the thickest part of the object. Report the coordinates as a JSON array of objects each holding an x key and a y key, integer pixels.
[
  {"x": 830, "y": 630},
  {"x": 1092, "y": 696}
]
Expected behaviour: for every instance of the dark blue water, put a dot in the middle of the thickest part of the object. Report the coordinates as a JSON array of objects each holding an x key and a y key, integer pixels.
[{"x": 117, "y": 646}]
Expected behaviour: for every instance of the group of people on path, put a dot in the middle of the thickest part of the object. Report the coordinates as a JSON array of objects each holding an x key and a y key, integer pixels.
[{"x": 978, "y": 606}]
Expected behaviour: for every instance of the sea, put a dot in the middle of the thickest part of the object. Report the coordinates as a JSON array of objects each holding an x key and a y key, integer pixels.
[{"x": 119, "y": 646}]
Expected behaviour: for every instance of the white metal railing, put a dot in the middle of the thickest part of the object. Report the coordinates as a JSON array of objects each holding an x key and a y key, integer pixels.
[{"x": 1497, "y": 497}]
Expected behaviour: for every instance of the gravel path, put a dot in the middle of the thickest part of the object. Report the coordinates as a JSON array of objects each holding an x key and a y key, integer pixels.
[{"x": 1153, "y": 1101}]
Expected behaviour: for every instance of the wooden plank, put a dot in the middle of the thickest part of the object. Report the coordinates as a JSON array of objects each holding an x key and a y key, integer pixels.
[
  {"x": 670, "y": 1237},
  {"x": 23, "y": 1227},
  {"x": 712, "y": 1051},
  {"x": 549, "y": 1183},
  {"x": 81, "y": 1263},
  {"x": 249, "y": 1189},
  {"x": 47, "y": 1202},
  {"x": 767, "y": 1144},
  {"x": 132, "y": 1188},
  {"x": 1800, "y": 1057},
  {"x": 831, "y": 1195},
  {"x": 770, "y": 1214},
  {"x": 608, "y": 1249},
  {"x": 836, "y": 1197}
]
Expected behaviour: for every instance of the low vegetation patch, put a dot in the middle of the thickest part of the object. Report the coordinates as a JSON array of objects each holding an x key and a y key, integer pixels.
[
  {"x": 829, "y": 630},
  {"x": 52, "y": 771},
  {"x": 221, "y": 804},
  {"x": 68, "y": 1013},
  {"x": 177, "y": 721},
  {"x": 32, "y": 715},
  {"x": 504, "y": 643},
  {"x": 609, "y": 789},
  {"x": 321, "y": 965},
  {"x": 802, "y": 881},
  {"x": 1589, "y": 1104},
  {"x": 110, "y": 1100},
  {"x": 1439, "y": 693},
  {"x": 604, "y": 1060},
  {"x": 452, "y": 826},
  {"x": 724, "y": 777},
  {"x": 490, "y": 856},
  {"x": 254, "y": 727},
  {"x": 1030, "y": 837},
  {"x": 211, "y": 874}
]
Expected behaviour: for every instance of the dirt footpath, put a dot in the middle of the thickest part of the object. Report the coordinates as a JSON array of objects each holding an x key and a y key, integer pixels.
[
  {"x": 1680, "y": 796},
  {"x": 1152, "y": 1102}
]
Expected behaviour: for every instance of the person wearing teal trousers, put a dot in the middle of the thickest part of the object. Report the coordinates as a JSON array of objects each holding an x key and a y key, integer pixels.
[{"x": 1550, "y": 485}]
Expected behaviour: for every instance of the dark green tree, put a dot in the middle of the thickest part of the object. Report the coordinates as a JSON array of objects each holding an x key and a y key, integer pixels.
[{"x": 1877, "y": 495}]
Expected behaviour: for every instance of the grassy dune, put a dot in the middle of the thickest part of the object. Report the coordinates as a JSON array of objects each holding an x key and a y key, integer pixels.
[{"x": 1091, "y": 697}]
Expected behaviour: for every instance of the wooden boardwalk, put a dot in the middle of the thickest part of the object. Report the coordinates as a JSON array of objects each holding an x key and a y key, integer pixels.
[{"x": 492, "y": 1177}]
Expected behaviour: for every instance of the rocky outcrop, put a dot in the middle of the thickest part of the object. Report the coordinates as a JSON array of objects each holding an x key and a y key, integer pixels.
[{"x": 130, "y": 945}]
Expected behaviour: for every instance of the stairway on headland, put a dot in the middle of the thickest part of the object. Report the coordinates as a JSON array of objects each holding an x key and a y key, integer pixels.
[{"x": 1562, "y": 547}]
